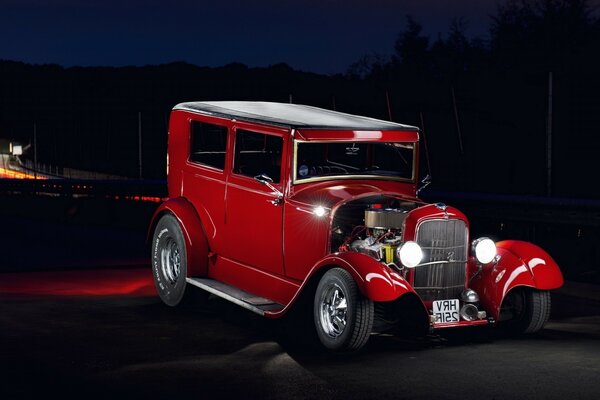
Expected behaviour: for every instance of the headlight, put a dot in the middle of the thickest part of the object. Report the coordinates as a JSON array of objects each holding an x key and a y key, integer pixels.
[
  {"x": 319, "y": 211},
  {"x": 410, "y": 254},
  {"x": 484, "y": 249}
]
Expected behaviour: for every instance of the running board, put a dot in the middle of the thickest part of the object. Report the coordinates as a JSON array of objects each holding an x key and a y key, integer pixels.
[{"x": 256, "y": 304}]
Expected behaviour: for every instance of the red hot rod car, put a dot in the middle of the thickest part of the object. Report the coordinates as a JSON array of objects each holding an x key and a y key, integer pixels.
[{"x": 271, "y": 202}]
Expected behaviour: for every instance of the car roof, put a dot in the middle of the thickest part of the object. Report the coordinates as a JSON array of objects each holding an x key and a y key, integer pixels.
[{"x": 290, "y": 115}]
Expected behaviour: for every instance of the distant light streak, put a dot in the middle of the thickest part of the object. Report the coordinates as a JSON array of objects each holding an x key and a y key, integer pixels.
[
  {"x": 55, "y": 187},
  {"x": 10, "y": 174},
  {"x": 142, "y": 198}
]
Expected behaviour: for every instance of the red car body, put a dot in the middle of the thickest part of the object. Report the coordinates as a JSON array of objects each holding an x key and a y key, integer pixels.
[{"x": 253, "y": 237}]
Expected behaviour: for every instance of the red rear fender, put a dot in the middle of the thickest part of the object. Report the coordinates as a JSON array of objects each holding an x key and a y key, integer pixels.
[{"x": 196, "y": 244}]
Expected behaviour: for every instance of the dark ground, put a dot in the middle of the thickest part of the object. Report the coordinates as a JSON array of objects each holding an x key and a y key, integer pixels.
[
  {"x": 131, "y": 345},
  {"x": 95, "y": 329}
]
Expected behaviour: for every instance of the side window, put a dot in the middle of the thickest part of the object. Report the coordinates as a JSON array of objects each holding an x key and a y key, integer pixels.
[
  {"x": 256, "y": 153},
  {"x": 208, "y": 144}
]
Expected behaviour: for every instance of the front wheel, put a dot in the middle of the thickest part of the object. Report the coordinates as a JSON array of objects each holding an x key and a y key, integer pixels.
[
  {"x": 530, "y": 309},
  {"x": 343, "y": 317},
  {"x": 169, "y": 260}
]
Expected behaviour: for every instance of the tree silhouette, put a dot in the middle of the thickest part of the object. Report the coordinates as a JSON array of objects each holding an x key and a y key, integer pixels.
[
  {"x": 412, "y": 48},
  {"x": 541, "y": 33}
]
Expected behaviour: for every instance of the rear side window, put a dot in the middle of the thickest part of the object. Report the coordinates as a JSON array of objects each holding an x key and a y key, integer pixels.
[
  {"x": 256, "y": 154},
  {"x": 208, "y": 144}
]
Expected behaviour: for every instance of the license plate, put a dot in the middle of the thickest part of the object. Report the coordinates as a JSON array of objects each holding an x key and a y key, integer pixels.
[{"x": 446, "y": 311}]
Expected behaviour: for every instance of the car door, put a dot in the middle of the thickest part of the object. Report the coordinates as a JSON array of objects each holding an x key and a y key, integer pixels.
[
  {"x": 204, "y": 179},
  {"x": 254, "y": 206}
]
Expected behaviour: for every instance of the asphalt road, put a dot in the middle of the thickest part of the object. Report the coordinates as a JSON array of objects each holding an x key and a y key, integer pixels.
[{"x": 103, "y": 334}]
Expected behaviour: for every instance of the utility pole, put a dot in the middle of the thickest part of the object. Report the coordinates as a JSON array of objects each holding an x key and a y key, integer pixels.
[
  {"x": 140, "y": 143},
  {"x": 458, "y": 131},
  {"x": 425, "y": 144},
  {"x": 549, "y": 139},
  {"x": 389, "y": 108},
  {"x": 35, "y": 151}
]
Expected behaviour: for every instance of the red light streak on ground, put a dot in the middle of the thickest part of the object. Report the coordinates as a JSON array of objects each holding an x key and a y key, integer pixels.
[
  {"x": 10, "y": 174},
  {"x": 109, "y": 282}
]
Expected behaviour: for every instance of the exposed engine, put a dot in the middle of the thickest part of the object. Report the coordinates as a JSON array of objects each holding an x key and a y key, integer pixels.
[
  {"x": 374, "y": 226},
  {"x": 380, "y": 234}
]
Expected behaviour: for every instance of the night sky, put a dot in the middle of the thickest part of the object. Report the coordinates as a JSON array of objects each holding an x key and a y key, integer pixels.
[{"x": 313, "y": 35}]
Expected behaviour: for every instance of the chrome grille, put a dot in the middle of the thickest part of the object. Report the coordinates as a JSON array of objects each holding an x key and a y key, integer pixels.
[{"x": 444, "y": 244}]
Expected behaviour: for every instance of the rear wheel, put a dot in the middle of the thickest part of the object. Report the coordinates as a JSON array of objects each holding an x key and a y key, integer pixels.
[
  {"x": 530, "y": 309},
  {"x": 169, "y": 260},
  {"x": 343, "y": 317}
]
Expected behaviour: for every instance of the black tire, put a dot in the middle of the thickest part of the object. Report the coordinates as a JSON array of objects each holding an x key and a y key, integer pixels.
[
  {"x": 169, "y": 260},
  {"x": 530, "y": 308},
  {"x": 343, "y": 317}
]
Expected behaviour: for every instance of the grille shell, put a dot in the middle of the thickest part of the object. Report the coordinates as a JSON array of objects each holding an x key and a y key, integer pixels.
[{"x": 444, "y": 243}]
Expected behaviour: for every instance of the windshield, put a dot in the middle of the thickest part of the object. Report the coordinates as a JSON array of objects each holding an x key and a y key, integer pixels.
[{"x": 322, "y": 160}]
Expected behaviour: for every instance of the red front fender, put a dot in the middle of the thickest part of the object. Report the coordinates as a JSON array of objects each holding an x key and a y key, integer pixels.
[
  {"x": 520, "y": 264},
  {"x": 375, "y": 281},
  {"x": 196, "y": 245}
]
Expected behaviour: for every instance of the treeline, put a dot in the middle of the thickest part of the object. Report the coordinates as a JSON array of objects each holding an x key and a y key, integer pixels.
[
  {"x": 89, "y": 118},
  {"x": 484, "y": 103}
]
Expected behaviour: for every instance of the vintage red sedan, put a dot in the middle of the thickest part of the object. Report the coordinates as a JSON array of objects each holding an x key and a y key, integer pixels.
[{"x": 271, "y": 202}]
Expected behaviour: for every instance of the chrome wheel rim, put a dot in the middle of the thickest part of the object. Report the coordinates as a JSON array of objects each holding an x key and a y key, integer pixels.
[
  {"x": 333, "y": 311},
  {"x": 170, "y": 260}
]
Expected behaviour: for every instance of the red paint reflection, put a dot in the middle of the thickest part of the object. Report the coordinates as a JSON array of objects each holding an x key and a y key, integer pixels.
[{"x": 109, "y": 282}]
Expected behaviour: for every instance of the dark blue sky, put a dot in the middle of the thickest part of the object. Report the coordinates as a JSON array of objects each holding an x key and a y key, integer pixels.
[{"x": 320, "y": 36}]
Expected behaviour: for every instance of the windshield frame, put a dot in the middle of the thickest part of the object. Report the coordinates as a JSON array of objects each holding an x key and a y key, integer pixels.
[{"x": 297, "y": 181}]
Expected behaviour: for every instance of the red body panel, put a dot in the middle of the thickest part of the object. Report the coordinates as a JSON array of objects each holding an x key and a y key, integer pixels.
[
  {"x": 383, "y": 136},
  {"x": 306, "y": 237},
  {"x": 520, "y": 264},
  {"x": 307, "y": 242},
  {"x": 253, "y": 280},
  {"x": 254, "y": 220},
  {"x": 337, "y": 192},
  {"x": 207, "y": 195},
  {"x": 203, "y": 186}
]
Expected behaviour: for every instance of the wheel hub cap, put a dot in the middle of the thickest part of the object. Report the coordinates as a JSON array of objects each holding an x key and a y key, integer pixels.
[
  {"x": 333, "y": 311},
  {"x": 170, "y": 260}
]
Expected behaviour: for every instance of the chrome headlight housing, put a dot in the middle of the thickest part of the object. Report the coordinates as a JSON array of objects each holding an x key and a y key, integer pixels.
[
  {"x": 410, "y": 254},
  {"x": 484, "y": 250},
  {"x": 469, "y": 296}
]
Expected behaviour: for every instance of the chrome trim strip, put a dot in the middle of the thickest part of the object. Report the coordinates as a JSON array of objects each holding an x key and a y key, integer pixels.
[
  {"x": 441, "y": 262},
  {"x": 225, "y": 296}
]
